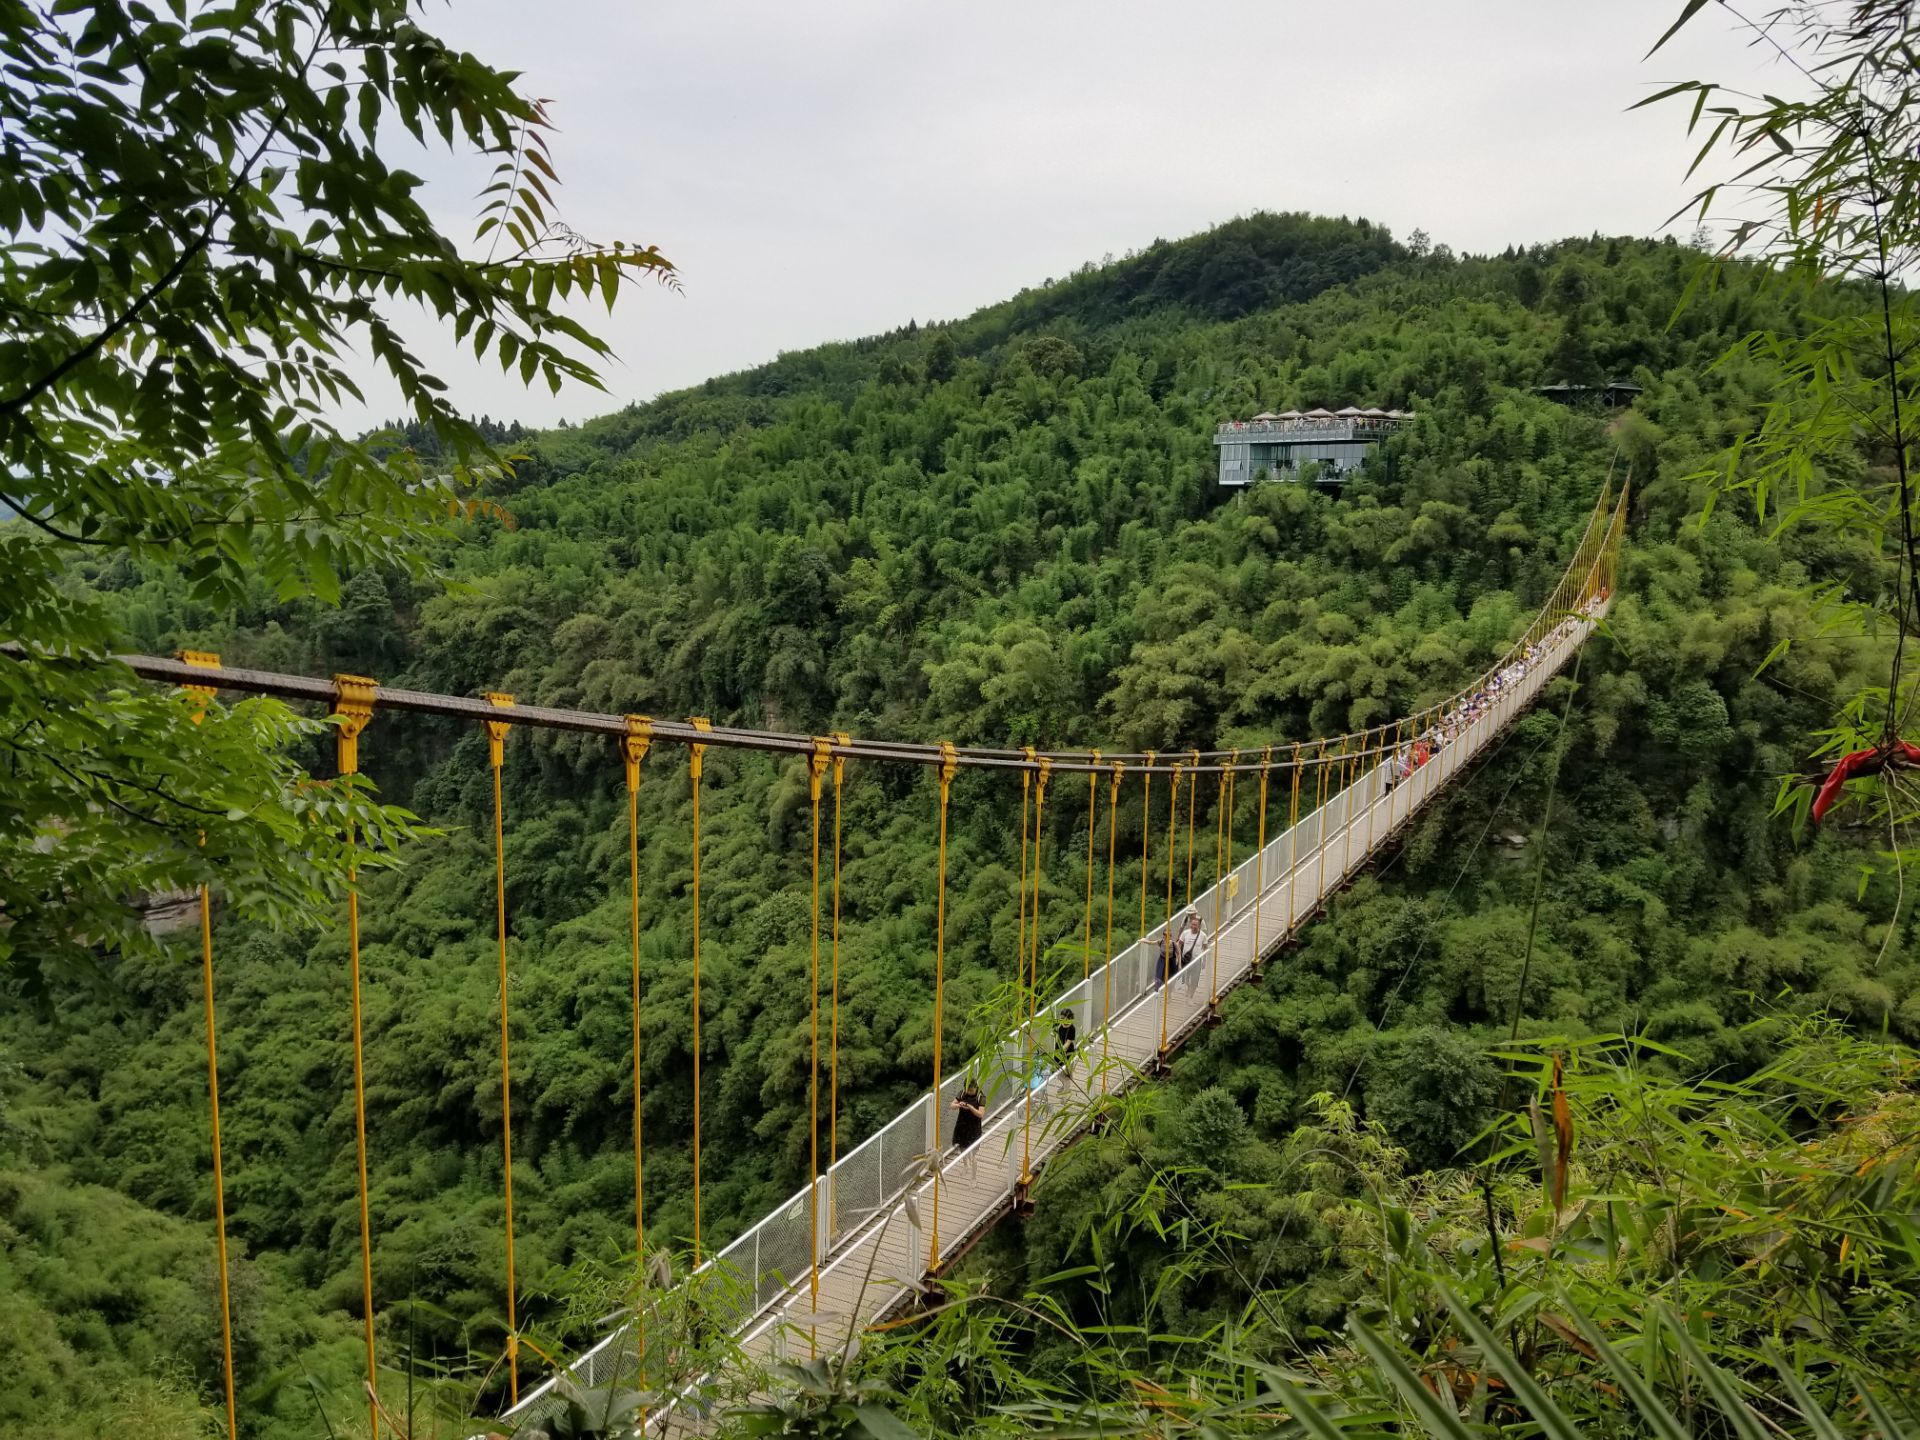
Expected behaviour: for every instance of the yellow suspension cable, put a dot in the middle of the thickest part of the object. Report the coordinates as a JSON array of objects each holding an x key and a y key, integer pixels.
[
  {"x": 1232, "y": 780},
  {"x": 1293, "y": 845},
  {"x": 1349, "y": 767},
  {"x": 219, "y": 1174},
  {"x": 948, "y": 764},
  {"x": 1193, "y": 794},
  {"x": 1033, "y": 928},
  {"x": 816, "y": 772},
  {"x": 1086, "y": 923},
  {"x": 696, "y": 764},
  {"x": 1033, "y": 974},
  {"x": 1260, "y": 855},
  {"x": 833, "y": 1044},
  {"x": 1166, "y": 933},
  {"x": 1146, "y": 834},
  {"x": 496, "y": 736},
  {"x": 353, "y": 707},
  {"x": 201, "y": 695},
  {"x": 1223, "y": 794},
  {"x": 1106, "y": 1007},
  {"x": 1020, "y": 929},
  {"x": 1319, "y": 808},
  {"x": 1352, "y": 797},
  {"x": 1393, "y": 768},
  {"x": 633, "y": 750}
]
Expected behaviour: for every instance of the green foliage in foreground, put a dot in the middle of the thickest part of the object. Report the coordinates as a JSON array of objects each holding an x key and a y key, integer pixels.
[
  {"x": 1733, "y": 1258},
  {"x": 200, "y": 217}
]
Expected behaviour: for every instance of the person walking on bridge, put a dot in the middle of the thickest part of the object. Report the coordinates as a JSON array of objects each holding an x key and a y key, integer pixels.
[
  {"x": 971, "y": 1108},
  {"x": 1165, "y": 956},
  {"x": 1066, "y": 1039},
  {"x": 1188, "y": 944}
]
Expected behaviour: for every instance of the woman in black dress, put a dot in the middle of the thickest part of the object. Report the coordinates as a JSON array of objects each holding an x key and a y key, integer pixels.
[{"x": 971, "y": 1106}]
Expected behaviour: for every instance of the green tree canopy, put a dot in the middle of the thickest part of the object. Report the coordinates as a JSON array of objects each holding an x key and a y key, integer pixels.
[{"x": 202, "y": 222}]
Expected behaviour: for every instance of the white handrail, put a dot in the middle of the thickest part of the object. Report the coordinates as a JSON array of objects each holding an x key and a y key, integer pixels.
[{"x": 1384, "y": 808}]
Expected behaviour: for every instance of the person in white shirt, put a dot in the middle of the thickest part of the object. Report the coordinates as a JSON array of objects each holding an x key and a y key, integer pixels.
[{"x": 1188, "y": 944}]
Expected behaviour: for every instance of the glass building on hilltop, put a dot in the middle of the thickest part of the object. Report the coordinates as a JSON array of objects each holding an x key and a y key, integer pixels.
[{"x": 1336, "y": 440}]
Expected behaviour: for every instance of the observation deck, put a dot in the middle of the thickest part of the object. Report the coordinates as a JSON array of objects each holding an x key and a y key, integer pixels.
[{"x": 1337, "y": 441}]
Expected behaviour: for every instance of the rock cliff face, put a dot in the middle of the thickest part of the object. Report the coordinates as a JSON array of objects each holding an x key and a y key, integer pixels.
[{"x": 170, "y": 913}]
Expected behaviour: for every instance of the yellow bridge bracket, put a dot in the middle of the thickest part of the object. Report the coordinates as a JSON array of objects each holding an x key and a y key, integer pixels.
[
  {"x": 203, "y": 694},
  {"x": 497, "y": 729},
  {"x": 697, "y": 752},
  {"x": 817, "y": 765},
  {"x": 353, "y": 697},
  {"x": 635, "y": 745},
  {"x": 840, "y": 740}
]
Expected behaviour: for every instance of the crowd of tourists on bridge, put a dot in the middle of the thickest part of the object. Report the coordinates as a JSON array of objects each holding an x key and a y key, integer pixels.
[
  {"x": 1182, "y": 942},
  {"x": 1480, "y": 701}
]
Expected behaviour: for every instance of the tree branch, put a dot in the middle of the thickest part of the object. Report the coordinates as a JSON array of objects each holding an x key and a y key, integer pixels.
[
  {"x": 147, "y": 297},
  {"x": 36, "y": 388},
  {"x": 53, "y": 530}
]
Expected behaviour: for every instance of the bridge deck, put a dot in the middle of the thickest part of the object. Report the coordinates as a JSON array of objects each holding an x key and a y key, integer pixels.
[{"x": 876, "y": 1248}]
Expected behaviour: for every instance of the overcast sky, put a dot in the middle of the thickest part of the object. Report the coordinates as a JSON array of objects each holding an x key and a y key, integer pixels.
[{"x": 820, "y": 171}]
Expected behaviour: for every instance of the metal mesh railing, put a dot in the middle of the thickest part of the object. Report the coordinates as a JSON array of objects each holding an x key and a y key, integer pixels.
[
  {"x": 1297, "y": 871},
  {"x": 1286, "y": 880}
]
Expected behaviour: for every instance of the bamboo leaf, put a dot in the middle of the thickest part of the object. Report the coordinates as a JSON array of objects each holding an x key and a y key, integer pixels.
[
  {"x": 1883, "y": 1420},
  {"x": 1552, "y": 1419},
  {"x": 882, "y": 1424},
  {"x": 1821, "y": 1423},
  {"x": 1439, "y": 1420},
  {"x": 1687, "y": 12},
  {"x": 1720, "y": 1385},
  {"x": 1662, "y": 1421},
  {"x": 1305, "y": 1412}
]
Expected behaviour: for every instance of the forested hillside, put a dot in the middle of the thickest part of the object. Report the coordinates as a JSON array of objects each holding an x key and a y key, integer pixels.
[{"x": 1001, "y": 530}]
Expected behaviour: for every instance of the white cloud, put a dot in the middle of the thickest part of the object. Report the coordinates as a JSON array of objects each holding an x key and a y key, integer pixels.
[{"x": 821, "y": 171}]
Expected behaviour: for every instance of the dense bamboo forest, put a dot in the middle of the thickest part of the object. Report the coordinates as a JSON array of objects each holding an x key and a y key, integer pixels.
[{"x": 1007, "y": 530}]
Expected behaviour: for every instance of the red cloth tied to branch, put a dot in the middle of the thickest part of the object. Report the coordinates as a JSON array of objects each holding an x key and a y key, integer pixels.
[{"x": 1858, "y": 765}]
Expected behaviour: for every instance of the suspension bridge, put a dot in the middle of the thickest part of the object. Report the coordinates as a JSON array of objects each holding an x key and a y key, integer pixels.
[{"x": 872, "y": 1227}]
